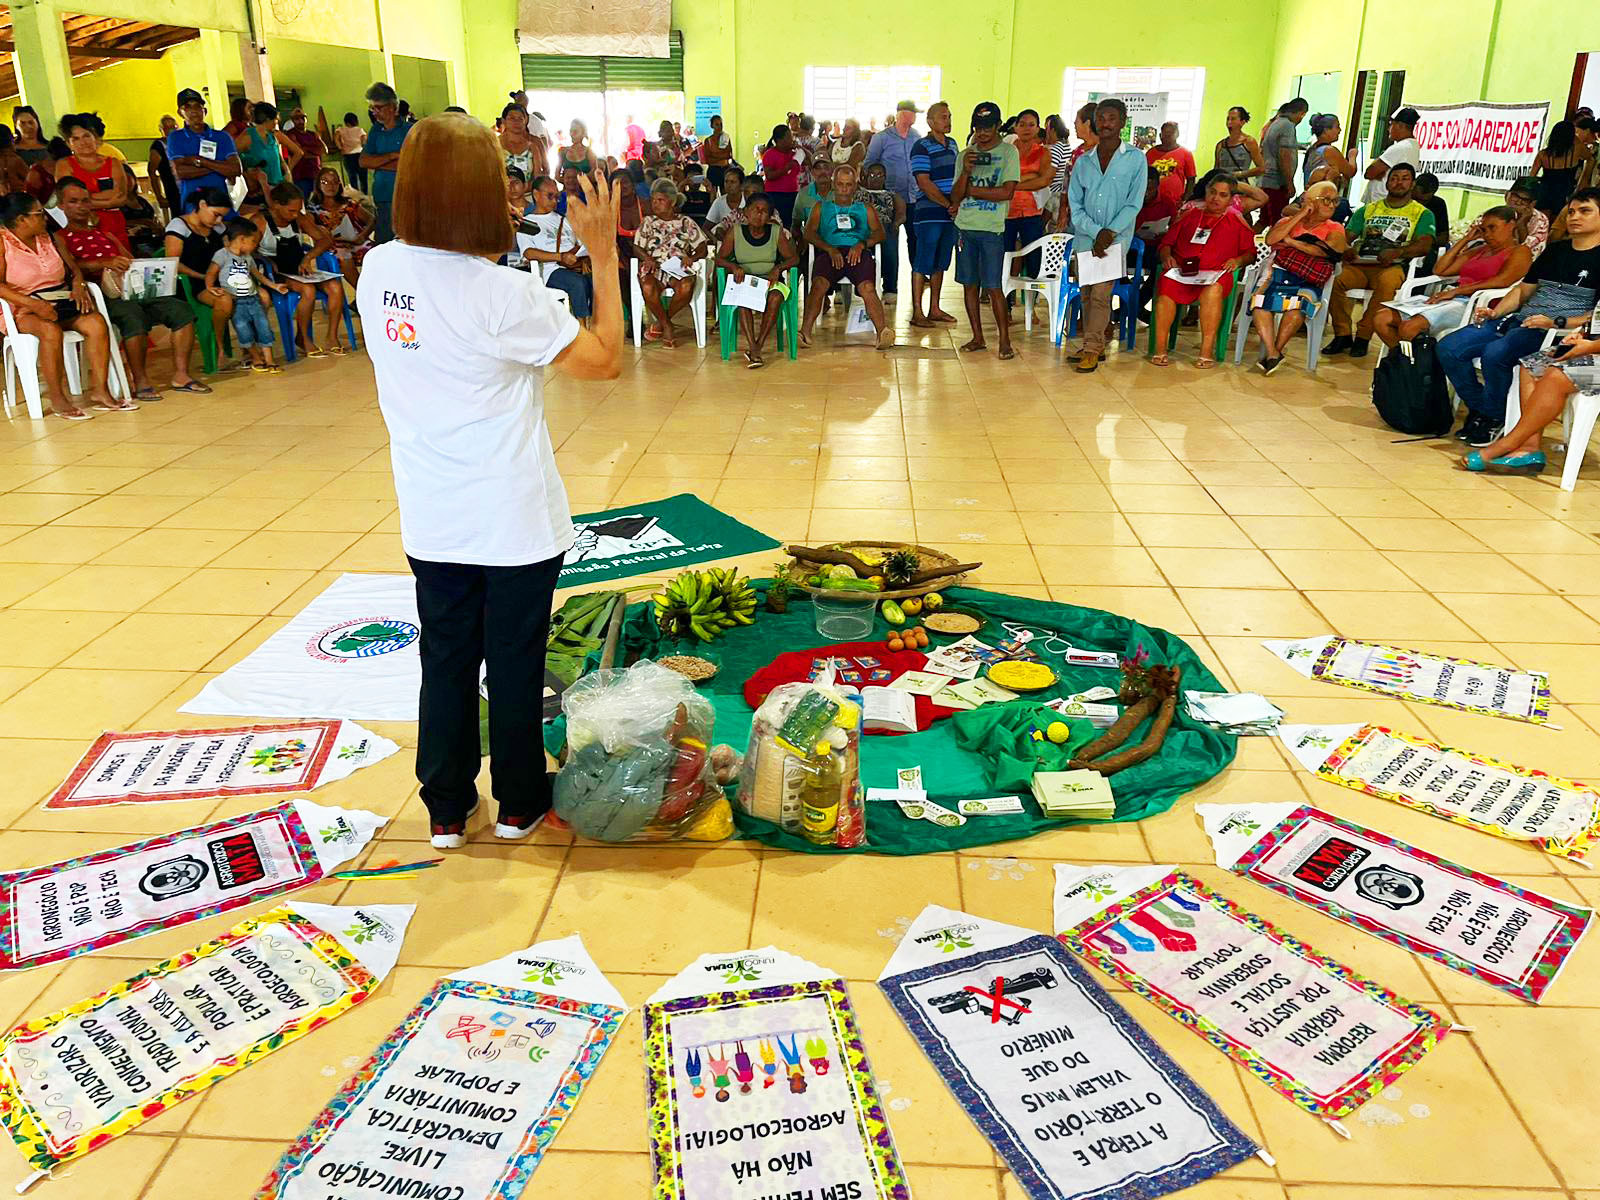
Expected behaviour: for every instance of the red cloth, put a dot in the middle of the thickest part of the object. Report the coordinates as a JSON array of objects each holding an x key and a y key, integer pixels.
[{"x": 794, "y": 666}]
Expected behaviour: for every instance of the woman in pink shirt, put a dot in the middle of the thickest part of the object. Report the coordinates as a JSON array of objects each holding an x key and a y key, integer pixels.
[
  {"x": 780, "y": 173},
  {"x": 34, "y": 281}
]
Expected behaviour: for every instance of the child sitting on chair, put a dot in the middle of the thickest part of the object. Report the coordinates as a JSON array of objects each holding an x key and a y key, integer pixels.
[{"x": 233, "y": 268}]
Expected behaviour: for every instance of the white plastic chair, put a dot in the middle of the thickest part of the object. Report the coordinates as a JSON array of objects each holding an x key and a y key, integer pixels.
[
  {"x": 1243, "y": 320},
  {"x": 21, "y": 360},
  {"x": 697, "y": 303},
  {"x": 1053, "y": 249},
  {"x": 1577, "y": 420}
]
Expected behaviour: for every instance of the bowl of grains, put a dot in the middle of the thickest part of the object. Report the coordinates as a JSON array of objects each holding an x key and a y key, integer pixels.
[
  {"x": 691, "y": 666},
  {"x": 955, "y": 621}
]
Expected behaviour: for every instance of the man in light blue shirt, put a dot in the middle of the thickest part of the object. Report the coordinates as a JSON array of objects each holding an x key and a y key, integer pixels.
[
  {"x": 892, "y": 147},
  {"x": 1105, "y": 192}
]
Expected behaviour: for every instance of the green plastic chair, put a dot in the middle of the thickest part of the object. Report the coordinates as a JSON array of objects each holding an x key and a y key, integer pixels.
[
  {"x": 203, "y": 332},
  {"x": 787, "y": 330},
  {"x": 1224, "y": 330}
]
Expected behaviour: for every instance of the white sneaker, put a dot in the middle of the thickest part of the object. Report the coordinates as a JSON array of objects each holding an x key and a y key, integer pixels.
[
  {"x": 453, "y": 841},
  {"x": 515, "y": 833}
]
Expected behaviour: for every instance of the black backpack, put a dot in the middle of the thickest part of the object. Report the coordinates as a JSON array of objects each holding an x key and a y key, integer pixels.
[{"x": 1410, "y": 391}]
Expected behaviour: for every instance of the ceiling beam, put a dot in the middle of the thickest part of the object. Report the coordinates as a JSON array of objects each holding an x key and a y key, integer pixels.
[{"x": 94, "y": 50}]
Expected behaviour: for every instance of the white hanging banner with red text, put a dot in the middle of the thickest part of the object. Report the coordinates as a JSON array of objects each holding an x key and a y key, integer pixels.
[{"x": 1480, "y": 146}]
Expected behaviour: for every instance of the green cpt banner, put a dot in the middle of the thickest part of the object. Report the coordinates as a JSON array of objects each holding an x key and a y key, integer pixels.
[{"x": 663, "y": 535}]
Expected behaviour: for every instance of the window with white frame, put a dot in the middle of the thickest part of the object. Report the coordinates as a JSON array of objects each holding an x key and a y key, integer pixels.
[
  {"x": 1183, "y": 87},
  {"x": 868, "y": 94}
]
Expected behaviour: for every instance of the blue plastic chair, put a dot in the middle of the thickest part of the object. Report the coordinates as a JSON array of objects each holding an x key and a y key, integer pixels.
[
  {"x": 285, "y": 305},
  {"x": 1124, "y": 298}
]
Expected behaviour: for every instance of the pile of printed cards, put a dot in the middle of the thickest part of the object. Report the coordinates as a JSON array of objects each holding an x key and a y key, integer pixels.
[
  {"x": 1243, "y": 714},
  {"x": 1083, "y": 794}
]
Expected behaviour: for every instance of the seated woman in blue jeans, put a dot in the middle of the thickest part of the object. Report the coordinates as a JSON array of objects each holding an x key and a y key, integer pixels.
[
  {"x": 1547, "y": 381},
  {"x": 555, "y": 250}
]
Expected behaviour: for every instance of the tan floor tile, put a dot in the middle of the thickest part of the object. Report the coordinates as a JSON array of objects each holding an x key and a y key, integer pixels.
[
  {"x": 124, "y": 509},
  {"x": 120, "y": 1168},
  {"x": 1260, "y": 613},
  {"x": 82, "y": 704},
  {"x": 1537, "y": 536},
  {"x": 1522, "y": 618},
  {"x": 1389, "y": 616},
  {"x": 679, "y": 902},
  {"x": 955, "y": 470},
  {"x": 1079, "y": 529},
  {"x": 870, "y": 495},
  {"x": 1485, "y": 504},
  {"x": 171, "y": 547},
  {"x": 107, "y": 589},
  {"x": 280, "y": 548},
  {"x": 42, "y": 638},
  {"x": 1565, "y": 573},
  {"x": 1574, "y": 669},
  {"x": 26, "y": 508},
  {"x": 1085, "y": 497},
  {"x": 938, "y": 527},
  {"x": 951, "y": 1183},
  {"x": 230, "y": 1163},
  {"x": 326, "y": 514},
  {"x": 1101, "y": 566},
  {"x": 1239, "y": 501},
  {"x": 851, "y": 524},
  {"x": 1004, "y": 567},
  {"x": 1169, "y": 529},
  {"x": 1210, "y": 568},
  {"x": 1163, "y": 498},
  {"x": 161, "y": 642},
  {"x": 1341, "y": 570},
  {"x": 566, "y": 1172},
  {"x": 1445, "y": 572},
  {"x": 791, "y": 493},
  {"x": 18, "y": 580},
  {"x": 219, "y": 590},
  {"x": 230, "y": 512},
  {"x": 1432, "y": 534},
  {"x": 62, "y": 544},
  {"x": 1369, "y": 502},
  {"x": 776, "y": 468},
  {"x": 83, "y": 480}
]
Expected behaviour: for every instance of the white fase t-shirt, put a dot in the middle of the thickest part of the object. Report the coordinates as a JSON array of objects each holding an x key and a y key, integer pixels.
[
  {"x": 457, "y": 344},
  {"x": 1406, "y": 150}
]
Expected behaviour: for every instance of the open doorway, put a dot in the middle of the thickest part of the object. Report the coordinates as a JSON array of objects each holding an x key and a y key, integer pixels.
[
  {"x": 605, "y": 114},
  {"x": 1585, "y": 90}
]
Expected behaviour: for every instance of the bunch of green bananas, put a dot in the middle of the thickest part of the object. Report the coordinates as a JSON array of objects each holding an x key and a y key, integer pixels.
[{"x": 705, "y": 603}]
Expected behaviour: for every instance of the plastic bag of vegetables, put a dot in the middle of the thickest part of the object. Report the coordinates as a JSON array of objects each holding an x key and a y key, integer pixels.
[{"x": 639, "y": 759}]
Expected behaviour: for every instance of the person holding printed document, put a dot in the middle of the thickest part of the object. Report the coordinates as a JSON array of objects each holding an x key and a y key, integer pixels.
[
  {"x": 201, "y": 157},
  {"x": 548, "y": 242},
  {"x": 759, "y": 247},
  {"x": 484, "y": 517},
  {"x": 987, "y": 175},
  {"x": 1105, "y": 194},
  {"x": 1199, "y": 254},
  {"x": 668, "y": 246},
  {"x": 1487, "y": 256}
]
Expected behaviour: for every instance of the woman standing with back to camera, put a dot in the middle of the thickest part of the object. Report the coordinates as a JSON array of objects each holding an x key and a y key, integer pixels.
[{"x": 458, "y": 346}]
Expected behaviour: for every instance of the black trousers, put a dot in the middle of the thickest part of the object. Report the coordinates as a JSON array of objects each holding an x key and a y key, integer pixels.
[{"x": 472, "y": 615}]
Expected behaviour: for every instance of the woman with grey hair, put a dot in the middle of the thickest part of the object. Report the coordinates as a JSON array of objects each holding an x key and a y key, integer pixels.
[{"x": 668, "y": 246}]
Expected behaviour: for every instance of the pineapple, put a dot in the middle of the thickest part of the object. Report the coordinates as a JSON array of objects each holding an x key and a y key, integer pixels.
[{"x": 899, "y": 566}]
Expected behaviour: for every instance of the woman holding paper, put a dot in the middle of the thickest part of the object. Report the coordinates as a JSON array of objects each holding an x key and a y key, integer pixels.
[
  {"x": 1199, "y": 254},
  {"x": 291, "y": 242},
  {"x": 758, "y": 247},
  {"x": 1489, "y": 256},
  {"x": 458, "y": 345},
  {"x": 666, "y": 239}
]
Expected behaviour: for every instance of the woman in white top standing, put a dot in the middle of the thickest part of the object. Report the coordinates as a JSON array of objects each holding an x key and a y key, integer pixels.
[{"x": 458, "y": 348}]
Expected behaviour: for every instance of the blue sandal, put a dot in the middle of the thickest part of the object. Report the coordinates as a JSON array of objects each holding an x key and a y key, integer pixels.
[{"x": 1512, "y": 464}]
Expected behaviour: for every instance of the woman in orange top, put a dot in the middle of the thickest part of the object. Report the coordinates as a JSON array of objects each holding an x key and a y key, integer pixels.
[
  {"x": 1025, "y": 219},
  {"x": 104, "y": 176}
]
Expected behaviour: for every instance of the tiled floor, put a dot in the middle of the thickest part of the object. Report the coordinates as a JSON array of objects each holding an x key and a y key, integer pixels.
[{"x": 143, "y": 554}]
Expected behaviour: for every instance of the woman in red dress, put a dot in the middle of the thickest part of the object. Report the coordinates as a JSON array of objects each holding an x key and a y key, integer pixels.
[{"x": 1205, "y": 240}]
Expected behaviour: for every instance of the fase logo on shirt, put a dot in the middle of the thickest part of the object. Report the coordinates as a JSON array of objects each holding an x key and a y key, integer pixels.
[{"x": 399, "y": 312}]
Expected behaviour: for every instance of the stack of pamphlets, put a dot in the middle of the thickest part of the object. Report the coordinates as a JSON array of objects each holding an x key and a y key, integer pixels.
[
  {"x": 1243, "y": 714},
  {"x": 1082, "y": 794}
]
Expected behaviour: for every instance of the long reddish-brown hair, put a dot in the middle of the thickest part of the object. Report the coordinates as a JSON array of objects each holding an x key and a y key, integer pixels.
[{"x": 450, "y": 187}]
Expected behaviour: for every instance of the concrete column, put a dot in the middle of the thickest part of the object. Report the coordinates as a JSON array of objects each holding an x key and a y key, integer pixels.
[
  {"x": 256, "y": 68},
  {"x": 44, "y": 71}
]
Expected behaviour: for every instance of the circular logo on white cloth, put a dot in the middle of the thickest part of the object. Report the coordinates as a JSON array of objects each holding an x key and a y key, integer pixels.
[{"x": 362, "y": 639}]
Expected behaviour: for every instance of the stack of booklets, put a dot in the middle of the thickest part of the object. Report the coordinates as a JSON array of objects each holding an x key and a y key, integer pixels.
[
  {"x": 1243, "y": 714},
  {"x": 1084, "y": 795}
]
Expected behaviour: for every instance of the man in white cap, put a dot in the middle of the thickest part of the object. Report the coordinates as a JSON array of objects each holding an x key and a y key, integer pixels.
[{"x": 892, "y": 147}]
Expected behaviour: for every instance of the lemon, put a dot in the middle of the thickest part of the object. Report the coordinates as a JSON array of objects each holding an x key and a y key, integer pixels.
[
  {"x": 911, "y": 606},
  {"x": 932, "y": 602}
]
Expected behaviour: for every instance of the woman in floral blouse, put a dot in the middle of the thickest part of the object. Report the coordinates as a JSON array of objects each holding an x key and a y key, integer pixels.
[{"x": 663, "y": 235}]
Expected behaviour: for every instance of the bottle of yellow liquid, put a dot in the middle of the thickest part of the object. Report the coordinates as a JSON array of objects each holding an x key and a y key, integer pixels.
[{"x": 819, "y": 820}]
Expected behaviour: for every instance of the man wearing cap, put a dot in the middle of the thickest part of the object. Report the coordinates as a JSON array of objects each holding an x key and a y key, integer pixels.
[
  {"x": 1402, "y": 148},
  {"x": 201, "y": 157},
  {"x": 1105, "y": 193},
  {"x": 986, "y": 176},
  {"x": 382, "y": 153},
  {"x": 892, "y": 147}
]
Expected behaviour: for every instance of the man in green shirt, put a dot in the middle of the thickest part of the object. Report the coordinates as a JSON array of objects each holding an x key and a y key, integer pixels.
[
  {"x": 1384, "y": 237},
  {"x": 986, "y": 175}
]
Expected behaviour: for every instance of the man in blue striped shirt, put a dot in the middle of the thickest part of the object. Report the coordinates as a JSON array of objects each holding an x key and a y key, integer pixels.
[{"x": 933, "y": 168}]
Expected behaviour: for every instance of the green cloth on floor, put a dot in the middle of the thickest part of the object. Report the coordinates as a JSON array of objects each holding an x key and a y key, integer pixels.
[
  {"x": 1190, "y": 755},
  {"x": 1002, "y": 735}
]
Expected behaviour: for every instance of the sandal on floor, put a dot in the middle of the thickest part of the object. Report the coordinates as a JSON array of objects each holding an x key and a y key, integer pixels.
[
  {"x": 1160, "y": 360},
  {"x": 147, "y": 393},
  {"x": 1205, "y": 364},
  {"x": 76, "y": 414},
  {"x": 315, "y": 352},
  {"x": 338, "y": 350},
  {"x": 194, "y": 387},
  {"x": 1507, "y": 464}
]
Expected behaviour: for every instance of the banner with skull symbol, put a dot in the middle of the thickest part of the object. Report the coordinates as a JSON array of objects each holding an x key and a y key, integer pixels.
[
  {"x": 64, "y": 909},
  {"x": 1503, "y": 934}
]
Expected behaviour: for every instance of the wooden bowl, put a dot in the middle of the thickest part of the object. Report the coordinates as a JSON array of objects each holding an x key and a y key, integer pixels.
[{"x": 800, "y": 571}]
